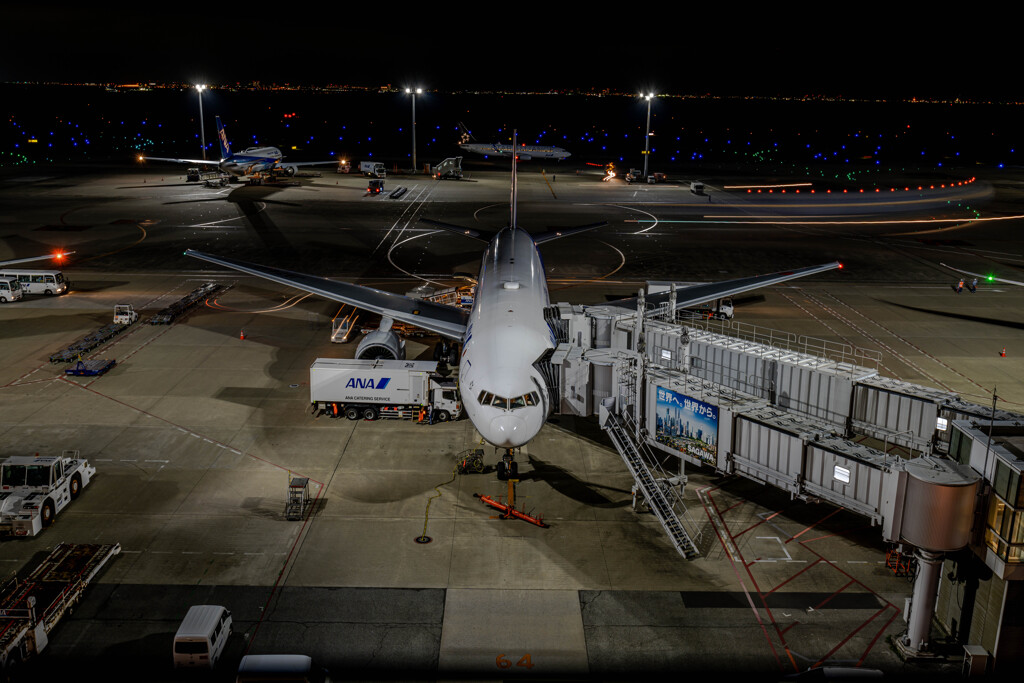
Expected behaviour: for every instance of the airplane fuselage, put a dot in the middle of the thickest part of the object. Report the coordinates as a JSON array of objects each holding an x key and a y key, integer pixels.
[
  {"x": 252, "y": 160},
  {"x": 505, "y": 396},
  {"x": 522, "y": 151}
]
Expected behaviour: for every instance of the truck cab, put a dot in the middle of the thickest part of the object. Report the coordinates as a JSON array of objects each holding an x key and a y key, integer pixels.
[{"x": 444, "y": 396}]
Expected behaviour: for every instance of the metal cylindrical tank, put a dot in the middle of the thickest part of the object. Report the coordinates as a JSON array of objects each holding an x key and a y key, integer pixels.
[{"x": 939, "y": 505}]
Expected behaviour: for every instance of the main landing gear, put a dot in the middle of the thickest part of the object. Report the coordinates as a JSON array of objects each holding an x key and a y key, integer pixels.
[{"x": 507, "y": 467}]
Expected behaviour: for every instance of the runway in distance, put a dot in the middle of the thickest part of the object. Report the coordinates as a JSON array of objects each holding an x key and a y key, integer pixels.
[
  {"x": 505, "y": 335},
  {"x": 252, "y": 161},
  {"x": 499, "y": 149}
]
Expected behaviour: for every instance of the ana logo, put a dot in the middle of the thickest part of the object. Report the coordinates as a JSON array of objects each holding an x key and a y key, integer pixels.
[{"x": 356, "y": 383}]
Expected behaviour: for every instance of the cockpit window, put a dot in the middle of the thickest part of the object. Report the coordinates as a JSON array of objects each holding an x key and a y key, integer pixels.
[{"x": 486, "y": 398}]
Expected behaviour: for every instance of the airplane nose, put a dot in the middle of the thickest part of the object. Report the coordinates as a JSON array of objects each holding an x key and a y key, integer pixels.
[{"x": 509, "y": 431}]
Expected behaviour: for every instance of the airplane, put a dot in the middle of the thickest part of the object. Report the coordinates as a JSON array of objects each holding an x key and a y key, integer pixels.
[
  {"x": 523, "y": 152},
  {"x": 251, "y": 162},
  {"x": 504, "y": 335},
  {"x": 59, "y": 256},
  {"x": 984, "y": 278}
]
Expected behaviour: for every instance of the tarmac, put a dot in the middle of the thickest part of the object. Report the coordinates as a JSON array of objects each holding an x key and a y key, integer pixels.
[{"x": 196, "y": 431}]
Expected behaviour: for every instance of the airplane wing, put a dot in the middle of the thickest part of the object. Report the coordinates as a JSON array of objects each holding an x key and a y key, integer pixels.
[
  {"x": 308, "y": 163},
  {"x": 444, "y": 320},
  {"x": 984, "y": 278},
  {"x": 182, "y": 161},
  {"x": 59, "y": 256},
  {"x": 694, "y": 295}
]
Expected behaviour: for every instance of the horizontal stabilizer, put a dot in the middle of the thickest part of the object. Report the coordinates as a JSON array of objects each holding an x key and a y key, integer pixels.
[
  {"x": 455, "y": 229},
  {"x": 566, "y": 232}
]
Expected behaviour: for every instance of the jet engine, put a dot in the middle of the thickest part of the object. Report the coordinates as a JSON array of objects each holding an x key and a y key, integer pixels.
[
  {"x": 523, "y": 157},
  {"x": 382, "y": 343},
  {"x": 289, "y": 170}
]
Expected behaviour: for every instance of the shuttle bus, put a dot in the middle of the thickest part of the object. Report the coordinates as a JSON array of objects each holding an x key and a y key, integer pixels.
[
  {"x": 10, "y": 289},
  {"x": 46, "y": 282}
]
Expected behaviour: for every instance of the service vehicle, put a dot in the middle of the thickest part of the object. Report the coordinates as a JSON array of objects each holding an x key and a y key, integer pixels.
[
  {"x": 344, "y": 166},
  {"x": 34, "y": 489},
  {"x": 374, "y": 169},
  {"x": 697, "y": 187},
  {"x": 125, "y": 314},
  {"x": 292, "y": 668},
  {"x": 201, "y": 637},
  {"x": 192, "y": 175},
  {"x": 635, "y": 175},
  {"x": 31, "y": 608},
  {"x": 10, "y": 289},
  {"x": 369, "y": 389},
  {"x": 375, "y": 186},
  {"x": 46, "y": 282}
]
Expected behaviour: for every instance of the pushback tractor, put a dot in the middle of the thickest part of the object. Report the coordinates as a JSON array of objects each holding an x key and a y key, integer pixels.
[{"x": 34, "y": 490}]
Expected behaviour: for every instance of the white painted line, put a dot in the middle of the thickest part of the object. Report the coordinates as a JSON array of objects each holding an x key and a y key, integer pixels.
[
  {"x": 254, "y": 553},
  {"x": 223, "y": 553},
  {"x": 161, "y": 552},
  {"x": 124, "y": 460},
  {"x": 132, "y": 552},
  {"x": 190, "y": 552},
  {"x": 165, "y": 461}
]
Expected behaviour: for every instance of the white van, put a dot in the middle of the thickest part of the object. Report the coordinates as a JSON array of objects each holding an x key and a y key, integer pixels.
[
  {"x": 201, "y": 638},
  {"x": 10, "y": 289},
  {"x": 281, "y": 668}
]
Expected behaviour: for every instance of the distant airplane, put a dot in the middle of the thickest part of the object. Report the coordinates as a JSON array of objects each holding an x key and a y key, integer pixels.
[
  {"x": 505, "y": 336},
  {"x": 59, "y": 256},
  {"x": 499, "y": 149},
  {"x": 983, "y": 278},
  {"x": 253, "y": 161}
]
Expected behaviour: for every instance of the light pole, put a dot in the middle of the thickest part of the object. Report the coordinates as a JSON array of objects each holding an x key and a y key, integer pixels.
[
  {"x": 202, "y": 130},
  {"x": 414, "y": 93},
  {"x": 647, "y": 135}
]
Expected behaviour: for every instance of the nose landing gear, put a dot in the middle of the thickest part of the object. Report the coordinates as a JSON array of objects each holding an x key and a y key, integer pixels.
[{"x": 507, "y": 467}]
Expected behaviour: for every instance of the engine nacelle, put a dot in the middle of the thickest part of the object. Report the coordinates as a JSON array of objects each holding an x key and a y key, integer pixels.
[
  {"x": 289, "y": 170},
  {"x": 382, "y": 343},
  {"x": 523, "y": 157}
]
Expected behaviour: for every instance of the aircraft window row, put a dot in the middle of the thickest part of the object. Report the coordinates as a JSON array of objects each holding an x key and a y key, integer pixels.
[{"x": 486, "y": 398}]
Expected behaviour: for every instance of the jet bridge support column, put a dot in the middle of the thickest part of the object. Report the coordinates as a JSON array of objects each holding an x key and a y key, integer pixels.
[{"x": 922, "y": 605}]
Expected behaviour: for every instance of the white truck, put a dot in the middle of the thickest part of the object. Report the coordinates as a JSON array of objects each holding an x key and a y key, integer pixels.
[
  {"x": 385, "y": 389},
  {"x": 125, "y": 314},
  {"x": 373, "y": 169},
  {"x": 33, "y": 489}
]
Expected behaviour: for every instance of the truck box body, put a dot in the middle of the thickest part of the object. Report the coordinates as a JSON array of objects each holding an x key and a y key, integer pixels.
[
  {"x": 384, "y": 382},
  {"x": 372, "y": 168}
]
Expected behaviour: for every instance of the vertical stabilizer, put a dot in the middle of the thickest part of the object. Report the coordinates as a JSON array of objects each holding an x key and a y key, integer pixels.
[
  {"x": 515, "y": 189},
  {"x": 225, "y": 149}
]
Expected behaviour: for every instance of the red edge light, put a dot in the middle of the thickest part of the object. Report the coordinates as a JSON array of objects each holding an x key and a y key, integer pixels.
[{"x": 840, "y": 266}]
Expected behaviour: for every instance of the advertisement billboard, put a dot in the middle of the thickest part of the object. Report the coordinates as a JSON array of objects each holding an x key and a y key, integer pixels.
[{"x": 687, "y": 425}]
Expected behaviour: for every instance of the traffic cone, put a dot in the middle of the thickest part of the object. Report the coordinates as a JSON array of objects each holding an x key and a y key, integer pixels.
[
  {"x": 241, "y": 335},
  {"x": 1003, "y": 352}
]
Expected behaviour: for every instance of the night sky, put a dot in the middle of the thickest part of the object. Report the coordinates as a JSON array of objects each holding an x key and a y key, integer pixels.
[{"x": 860, "y": 49}]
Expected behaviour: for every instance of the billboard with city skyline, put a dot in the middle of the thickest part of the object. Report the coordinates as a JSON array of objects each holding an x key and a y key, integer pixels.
[{"x": 687, "y": 425}]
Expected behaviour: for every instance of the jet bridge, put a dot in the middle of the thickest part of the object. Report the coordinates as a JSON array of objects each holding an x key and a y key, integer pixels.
[{"x": 806, "y": 416}]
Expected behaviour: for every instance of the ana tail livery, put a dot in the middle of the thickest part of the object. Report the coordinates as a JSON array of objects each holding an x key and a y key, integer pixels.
[
  {"x": 252, "y": 161},
  {"x": 505, "y": 334}
]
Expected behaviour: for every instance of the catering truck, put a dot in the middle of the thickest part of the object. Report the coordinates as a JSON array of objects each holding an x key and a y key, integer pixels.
[
  {"x": 386, "y": 389},
  {"x": 374, "y": 169}
]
